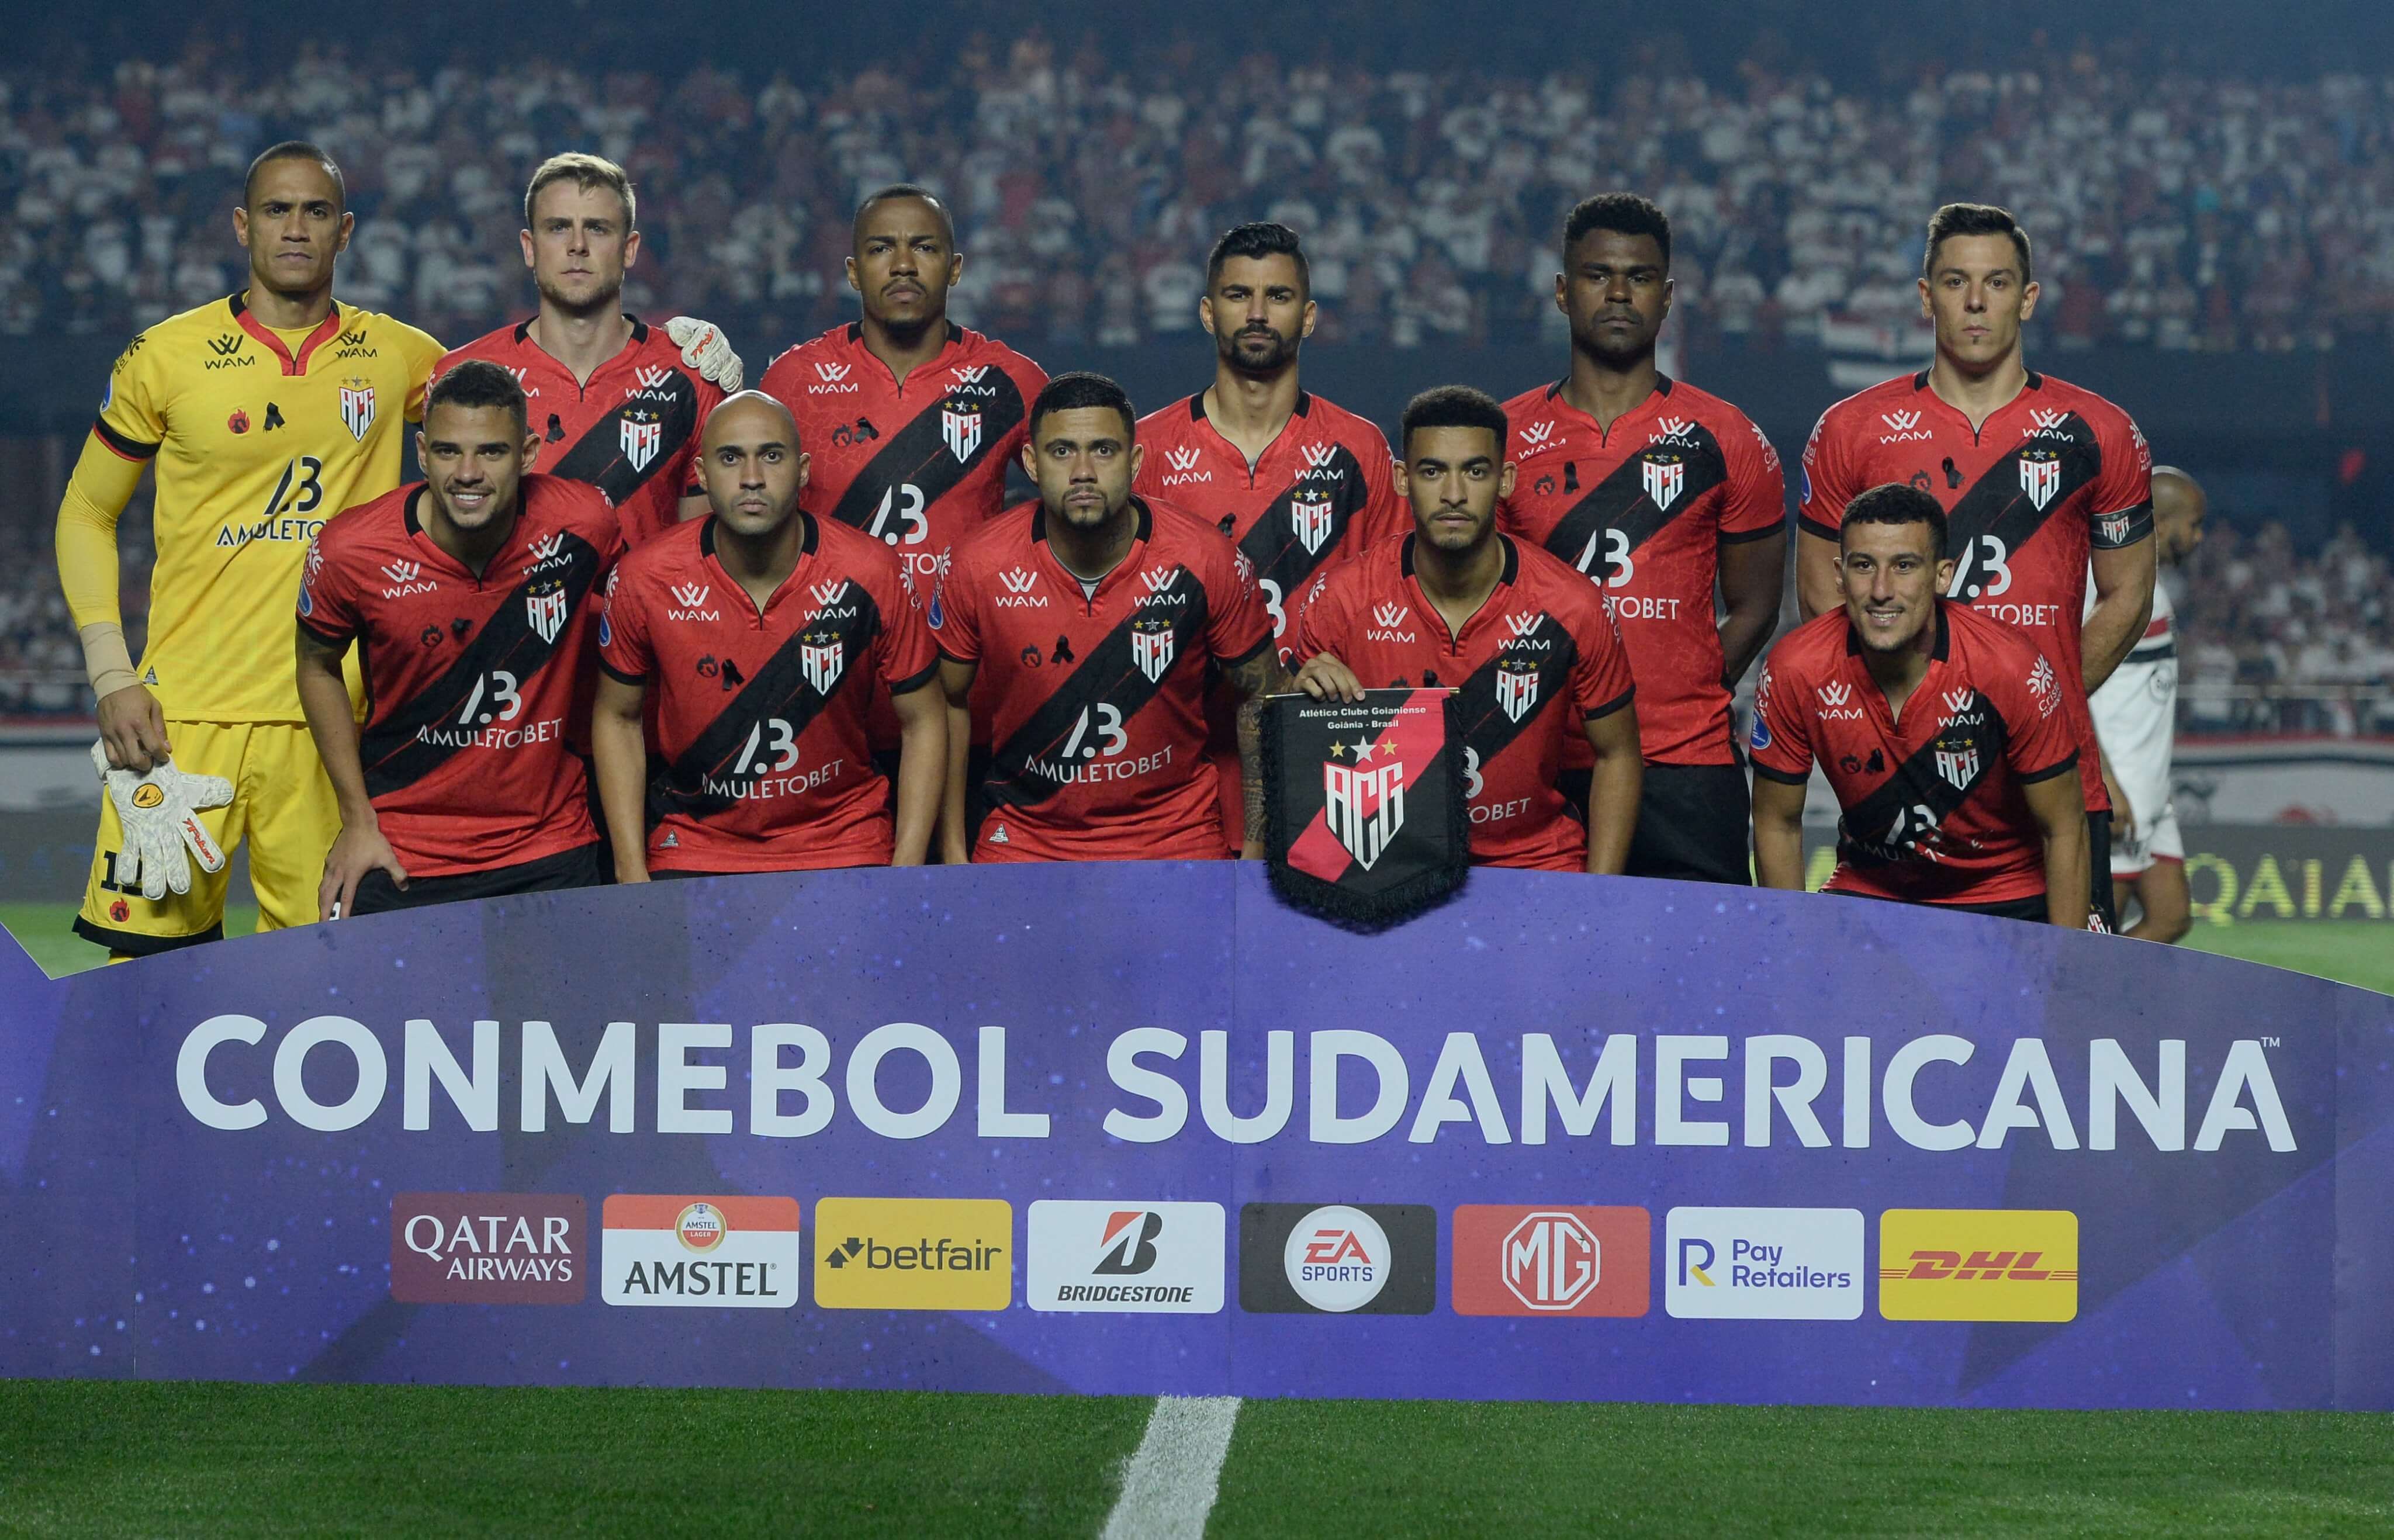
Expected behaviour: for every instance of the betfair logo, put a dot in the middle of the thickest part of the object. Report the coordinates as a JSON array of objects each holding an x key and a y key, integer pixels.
[
  {"x": 913, "y": 1253},
  {"x": 1978, "y": 1264}
]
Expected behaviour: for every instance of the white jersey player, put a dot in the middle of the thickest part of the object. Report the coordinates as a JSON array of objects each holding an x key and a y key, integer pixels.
[{"x": 2136, "y": 721}]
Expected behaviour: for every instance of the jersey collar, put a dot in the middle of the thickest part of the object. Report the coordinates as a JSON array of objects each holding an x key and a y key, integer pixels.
[
  {"x": 326, "y": 330},
  {"x": 423, "y": 538},
  {"x": 1653, "y": 404},
  {"x": 807, "y": 543},
  {"x": 640, "y": 340},
  {"x": 1489, "y": 607},
  {"x": 1139, "y": 542}
]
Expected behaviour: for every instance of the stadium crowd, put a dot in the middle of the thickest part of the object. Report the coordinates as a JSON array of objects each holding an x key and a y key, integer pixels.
[{"x": 2218, "y": 214}]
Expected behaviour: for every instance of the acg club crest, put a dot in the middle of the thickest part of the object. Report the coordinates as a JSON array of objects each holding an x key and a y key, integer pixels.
[
  {"x": 641, "y": 432},
  {"x": 1517, "y": 686},
  {"x": 1151, "y": 646},
  {"x": 821, "y": 655},
  {"x": 546, "y": 603},
  {"x": 1958, "y": 764},
  {"x": 2040, "y": 476},
  {"x": 1666, "y": 476},
  {"x": 357, "y": 407},
  {"x": 1311, "y": 516},
  {"x": 960, "y": 426},
  {"x": 1364, "y": 806}
]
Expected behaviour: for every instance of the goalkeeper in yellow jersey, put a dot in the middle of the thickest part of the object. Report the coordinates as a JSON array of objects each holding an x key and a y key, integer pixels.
[{"x": 266, "y": 414}]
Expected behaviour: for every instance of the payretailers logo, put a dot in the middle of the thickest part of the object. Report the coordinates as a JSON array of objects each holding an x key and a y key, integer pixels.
[
  {"x": 1555, "y": 1260},
  {"x": 913, "y": 1253},
  {"x": 487, "y": 1249},
  {"x": 1978, "y": 1264},
  {"x": 659, "y": 1249},
  {"x": 1148, "y": 1258},
  {"x": 1763, "y": 1264}
]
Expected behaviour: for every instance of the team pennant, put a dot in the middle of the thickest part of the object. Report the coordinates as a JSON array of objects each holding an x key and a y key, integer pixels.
[{"x": 1365, "y": 816}]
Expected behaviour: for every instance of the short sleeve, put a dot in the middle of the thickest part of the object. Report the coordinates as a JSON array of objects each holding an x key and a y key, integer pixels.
[
  {"x": 1029, "y": 380},
  {"x": 954, "y": 613},
  {"x": 1237, "y": 625},
  {"x": 1384, "y": 514},
  {"x": 424, "y": 355},
  {"x": 1781, "y": 739},
  {"x": 2040, "y": 740},
  {"x": 903, "y": 653},
  {"x": 1600, "y": 683},
  {"x": 625, "y": 650},
  {"x": 2121, "y": 512},
  {"x": 132, "y": 419},
  {"x": 1755, "y": 505},
  {"x": 683, "y": 474},
  {"x": 1826, "y": 484},
  {"x": 328, "y": 607},
  {"x": 1322, "y": 621}
]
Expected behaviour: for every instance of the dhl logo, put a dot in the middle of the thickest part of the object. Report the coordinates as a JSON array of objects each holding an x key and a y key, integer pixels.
[
  {"x": 1978, "y": 1264},
  {"x": 1983, "y": 1265}
]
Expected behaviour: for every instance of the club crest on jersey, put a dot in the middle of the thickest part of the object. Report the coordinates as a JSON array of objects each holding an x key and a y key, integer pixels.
[
  {"x": 546, "y": 603},
  {"x": 641, "y": 432},
  {"x": 1364, "y": 806},
  {"x": 2040, "y": 476},
  {"x": 2113, "y": 529},
  {"x": 1311, "y": 516},
  {"x": 960, "y": 426},
  {"x": 1151, "y": 644},
  {"x": 1958, "y": 766},
  {"x": 1517, "y": 686},
  {"x": 357, "y": 407},
  {"x": 1666, "y": 476},
  {"x": 820, "y": 654},
  {"x": 831, "y": 379}
]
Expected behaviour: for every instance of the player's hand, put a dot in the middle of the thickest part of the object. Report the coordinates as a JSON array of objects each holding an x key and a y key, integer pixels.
[
  {"x": 133, "y": 730},
  {"x": 704, "y": 348},
  {"x": 359, "y": 849},
  {"x": 160, "y": 812},
  {"x": 1325, "y": 679}
]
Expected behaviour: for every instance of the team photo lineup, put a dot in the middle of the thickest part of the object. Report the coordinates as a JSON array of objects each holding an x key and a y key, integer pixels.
[{"x": 909, "y": 598}]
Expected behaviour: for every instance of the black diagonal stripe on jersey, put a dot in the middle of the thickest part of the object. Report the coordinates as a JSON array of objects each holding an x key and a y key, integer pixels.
[
  {"x": 918, "y": 456},
  {"x": 423, "y": 733},
  {"x": 1274, "y": 545},
  {"x": 1621, "y": 502},
  {"x": 599, "y": 458},
  {"x": 698, "y": 782},
  {"x": 1021, "y": 773},
  {"x": 1488, "y": 728},
  {"x": 1997, "y": 504},
  {"x": 1870, "y": 834}
]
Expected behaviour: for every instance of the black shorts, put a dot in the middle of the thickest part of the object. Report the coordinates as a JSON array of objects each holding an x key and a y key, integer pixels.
[
  {"x": 1694, "y": 822},
  {"x": 378, "y": 894},
  {"x": 2098, "y": 865},
  {"x": 2031, "y": 909}
]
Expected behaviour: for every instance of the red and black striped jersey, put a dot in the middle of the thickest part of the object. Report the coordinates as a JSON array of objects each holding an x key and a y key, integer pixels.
[
  {"x": 1095, "y": 702},
  {"x": 1933, "y": 811},
  {"x": 1535, "y": 661},
  {"x": 1643, "y": 508},
  {"x": 918, "y": 463},
  {"x": 474, "y": 682},
  {"x": 2055, "y": 472},
  {"x": 631, "y": 431},
  {"x": 759, "y": 715}
]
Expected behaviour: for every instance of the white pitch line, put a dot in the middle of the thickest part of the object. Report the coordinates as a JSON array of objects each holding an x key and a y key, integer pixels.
[{"x": 1169, "y": 1486}]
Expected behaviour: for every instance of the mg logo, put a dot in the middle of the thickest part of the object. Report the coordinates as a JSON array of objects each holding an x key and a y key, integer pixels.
[
  {"x": 1364, "y": 806},
  {"x": 826, "y": 594},
  {"x": 1018, "y": 580},
  {"x": 689, "y": 596},
  {"x": 650, "y": 377},
  {"x": 831, "y": 374},
  {"x": 1835, "y": 694},
  {"x": 1523, "y": 624},
  {"x": 1184, "y": 458},
  {"x": 1552, "y": 1261},
  {"x": 1536, "y": 435},
  {"x": 1389, "y": 616},
  {"x": 403, "y": 571},
  {"x": 1901, "y": 422}
]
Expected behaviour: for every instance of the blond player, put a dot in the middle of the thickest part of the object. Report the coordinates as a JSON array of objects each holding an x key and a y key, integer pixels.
[{"x": 265, "y": 413}]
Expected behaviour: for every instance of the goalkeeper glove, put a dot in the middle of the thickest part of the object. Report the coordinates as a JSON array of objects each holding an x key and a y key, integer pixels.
[
  {"x": 160, "y": 811},
  {"x": 704, "y": 348}
]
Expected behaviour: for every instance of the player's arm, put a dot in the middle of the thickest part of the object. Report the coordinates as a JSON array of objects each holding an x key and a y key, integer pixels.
[
  {"x": 619, "y": 747},
  {"x": 131, "y": 723},
  {"x": 1256, "y": 676},
  {"x": 360, "y": 847},
  {"x": 1752, "y": 573},
  {"x": 922, "y": 770},
  {"x": 2123, "y": 812},
  {"x": 1827, "y": 488},
  {"x": 2123, "y": 606},
  {"x": 1779, "y": 832},
  {"x": 1614, "y": 788},
  {"x": 1816, "y": 574},
  {"x": 955, "y": 690},
  {"x": 2058, "y": 806}
]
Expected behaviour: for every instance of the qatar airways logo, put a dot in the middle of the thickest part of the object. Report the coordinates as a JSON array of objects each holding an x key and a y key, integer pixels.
[
  {"x": 1184, "y": 466},
  {"x": 831, "y": 379},
  {"x": 1902, "y": 428}
]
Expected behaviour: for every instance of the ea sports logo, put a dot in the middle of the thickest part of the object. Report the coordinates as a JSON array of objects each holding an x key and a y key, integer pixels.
[
  {"x": 701, "y": 1227},
  {"x": 1336, "y": 1258},
  {"x": 148, "y": 795}
]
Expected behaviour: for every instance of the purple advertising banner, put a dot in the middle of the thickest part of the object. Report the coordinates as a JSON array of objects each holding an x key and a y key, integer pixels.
[{"x": 1142, "y": 1129}]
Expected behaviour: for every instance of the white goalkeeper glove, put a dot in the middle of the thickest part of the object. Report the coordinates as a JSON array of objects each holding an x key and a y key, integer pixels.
[
  {"x": 160, "y": 811},
  {"x": 704, "y": 348}
]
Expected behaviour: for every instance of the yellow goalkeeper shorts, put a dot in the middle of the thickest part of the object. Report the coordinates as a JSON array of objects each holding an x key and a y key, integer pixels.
[{"x": 282, "y": 805}]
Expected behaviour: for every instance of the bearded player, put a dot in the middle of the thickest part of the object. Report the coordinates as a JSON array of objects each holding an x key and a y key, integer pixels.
[
  {"x": 265, "y": 413},
  {"x": 1942, "y": 732},
  {"x": 753, "y": 634},
  {"x": 2136, "y": 720},
  {"x": 2043, "y": 482},
  {"x": 612, "y": 402},
  {"x": 1664, "y": 496},
  {"x": 1296, "y": 481},
  {"x": 1094, "y": 618},
  {"x": 1517, "y": 633}
]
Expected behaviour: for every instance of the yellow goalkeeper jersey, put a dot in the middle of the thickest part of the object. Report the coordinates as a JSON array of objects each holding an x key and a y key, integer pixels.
[{"x": 259, "y": 437}]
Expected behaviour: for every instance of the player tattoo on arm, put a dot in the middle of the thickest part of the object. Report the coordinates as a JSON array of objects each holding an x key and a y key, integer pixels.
[
  {"x": 1260, "y": 675},
  {"x": 359, "y": 847}
]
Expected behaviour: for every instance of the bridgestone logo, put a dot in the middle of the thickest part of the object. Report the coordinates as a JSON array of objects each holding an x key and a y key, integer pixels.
[{"x": 1125, "y": 1293}]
